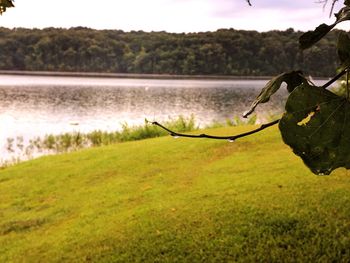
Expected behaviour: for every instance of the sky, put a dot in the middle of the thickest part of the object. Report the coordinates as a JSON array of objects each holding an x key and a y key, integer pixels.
[{"x": 169, "y": 15}]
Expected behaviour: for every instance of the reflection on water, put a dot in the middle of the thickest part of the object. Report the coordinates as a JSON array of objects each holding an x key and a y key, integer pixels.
[{"x": 35, "y": 106}]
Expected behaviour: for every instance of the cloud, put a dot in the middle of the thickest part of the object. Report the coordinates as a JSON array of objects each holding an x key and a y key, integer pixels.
[
  {"x": 270, "y": 14},
  {"x": 287, "y": 4}
]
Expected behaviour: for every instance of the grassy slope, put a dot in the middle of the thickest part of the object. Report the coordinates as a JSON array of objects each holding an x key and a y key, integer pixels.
[{"x": 175, "y": 200}]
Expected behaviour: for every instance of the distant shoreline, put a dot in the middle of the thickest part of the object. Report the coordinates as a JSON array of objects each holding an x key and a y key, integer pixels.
[
  {"x": 124, "y": 75},
  {"x": 130, "y": 75}
]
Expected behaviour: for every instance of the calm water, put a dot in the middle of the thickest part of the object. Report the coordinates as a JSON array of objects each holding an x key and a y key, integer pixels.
[{"x": 34, "y": 106}]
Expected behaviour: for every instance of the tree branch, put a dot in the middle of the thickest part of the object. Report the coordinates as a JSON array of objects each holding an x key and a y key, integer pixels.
[
  {"x": 332, "y": 8},
  {"x": 248, "y": 1},
  {"x": 325, "y": 2},
  {"x": 334, "y": 79},
  {"x": 230, "y": 137},
  {"x": 235, "y": 137}
]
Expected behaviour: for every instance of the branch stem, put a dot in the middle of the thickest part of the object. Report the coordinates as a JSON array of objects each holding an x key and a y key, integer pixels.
[
  {"x": 347, "y": 85},
  {"x": 235, "y": 137},
  {"x": 230, "y": 137},
  {"x": 334, "y": 79}
]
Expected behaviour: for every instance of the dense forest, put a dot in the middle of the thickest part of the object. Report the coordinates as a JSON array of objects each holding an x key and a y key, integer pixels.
[{"x": 224, "y": 52}]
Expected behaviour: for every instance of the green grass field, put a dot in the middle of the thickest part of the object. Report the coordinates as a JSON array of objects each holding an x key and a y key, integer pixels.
[{"x": 175, "y": 200}]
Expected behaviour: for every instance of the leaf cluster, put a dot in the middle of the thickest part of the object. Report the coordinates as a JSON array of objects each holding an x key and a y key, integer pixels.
[
  {"x": 312, "y": 37},
  {"x": 316, "y": 122}
]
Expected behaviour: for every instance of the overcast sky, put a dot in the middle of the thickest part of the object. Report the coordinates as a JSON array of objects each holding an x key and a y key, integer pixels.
[{"x": 168, "y": 15}]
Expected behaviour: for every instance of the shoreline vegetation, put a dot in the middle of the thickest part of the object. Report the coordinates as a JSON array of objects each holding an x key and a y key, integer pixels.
[
  {"x": 225, "y": 52},
  {"x": 51, "y": 144},
  {"x": 129, "y": 75},
  {"x": 133, "y": 75}
]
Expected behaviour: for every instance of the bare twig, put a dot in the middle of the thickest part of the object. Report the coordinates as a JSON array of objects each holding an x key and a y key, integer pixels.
[
  {"x": 334, "y": 79},
  {"x": 332, "y": 8},
  {"x": 325, "y": 2},
  {"x": 347, "y": 85},
  {"x": 230, "y": 137},
  {"x": 235, "y": 137},
  {"x": 248, "y": 1}
]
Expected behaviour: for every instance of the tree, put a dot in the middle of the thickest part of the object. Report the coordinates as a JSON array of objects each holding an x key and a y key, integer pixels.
[{"x": 316, "y": 122}]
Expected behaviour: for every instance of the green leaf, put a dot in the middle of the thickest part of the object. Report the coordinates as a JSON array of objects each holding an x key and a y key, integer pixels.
[
  {"x": 310, "y": 38},
  {"x": 343, "y": 49},
  {"x": 316, "y": 126},
  {"x": 293, "y": 79}
]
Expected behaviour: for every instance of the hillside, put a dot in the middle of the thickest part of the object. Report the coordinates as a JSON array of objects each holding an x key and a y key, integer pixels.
[
  {"x": 223, "y": 52},
  {"x": 175, "y": 200}
]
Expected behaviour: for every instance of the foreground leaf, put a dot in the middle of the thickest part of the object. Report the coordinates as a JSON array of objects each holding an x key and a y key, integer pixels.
[
  {"x": 293, "y": 79},
  {"x": 316, "y": 126},
  {"x": 5, "y": 4},
  {"x": 343, "y": 49},
  {"x": 309, "y": 38}
]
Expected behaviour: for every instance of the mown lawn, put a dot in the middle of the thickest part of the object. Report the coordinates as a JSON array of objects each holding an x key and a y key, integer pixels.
[{"x": 175, "y": 200}]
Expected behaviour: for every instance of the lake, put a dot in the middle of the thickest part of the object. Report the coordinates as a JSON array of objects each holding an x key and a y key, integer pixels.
[{"x": 32, "y": 106}]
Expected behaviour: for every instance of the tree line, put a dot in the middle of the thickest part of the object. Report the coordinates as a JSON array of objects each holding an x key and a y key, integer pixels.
[{"x": 223, "y": 52}]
